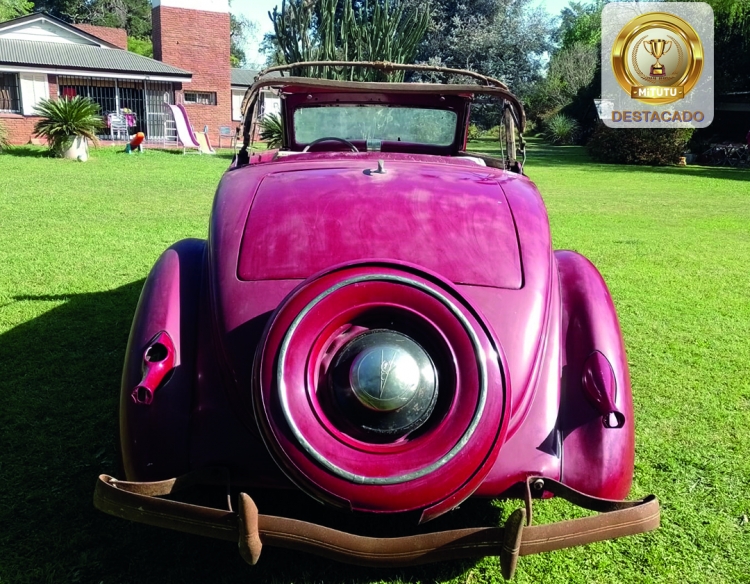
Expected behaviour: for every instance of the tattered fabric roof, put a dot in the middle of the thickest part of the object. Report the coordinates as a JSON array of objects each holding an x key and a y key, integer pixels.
[{"x": 85, "y": 57}]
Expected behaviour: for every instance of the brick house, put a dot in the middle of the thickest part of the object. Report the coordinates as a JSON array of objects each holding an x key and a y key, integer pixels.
[{"x": 43, "y": 57}]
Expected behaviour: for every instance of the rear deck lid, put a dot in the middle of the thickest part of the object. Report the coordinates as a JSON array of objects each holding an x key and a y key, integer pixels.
[{"x": 452, "y": 220}]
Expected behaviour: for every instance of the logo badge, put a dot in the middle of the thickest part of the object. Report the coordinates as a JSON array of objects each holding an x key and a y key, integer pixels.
[{"x": 657, "y": 58}]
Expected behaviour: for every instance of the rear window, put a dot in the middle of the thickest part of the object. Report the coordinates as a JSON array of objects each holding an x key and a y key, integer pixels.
[{"x": 435, "y": 127}]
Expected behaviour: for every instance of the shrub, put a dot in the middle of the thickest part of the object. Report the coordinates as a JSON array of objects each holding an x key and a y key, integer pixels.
[
  {"x": 65, "y": 119},
  {"x": 272, "y": 130},
  {"x": 561, "y": 129},
  {"x": 474, "y": 132},
  {"x": 493, "y": 132},
  {"x": 532, "y": 128},
  {"x": 654, "y": 146},
  {"x": 4, "y": 137}
]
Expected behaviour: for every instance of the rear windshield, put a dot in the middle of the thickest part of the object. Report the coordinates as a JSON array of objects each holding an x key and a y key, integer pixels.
[{"x": 436, "y": 127}]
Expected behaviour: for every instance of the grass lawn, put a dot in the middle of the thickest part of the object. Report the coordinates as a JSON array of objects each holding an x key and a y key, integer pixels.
[{"x": 77, "y": 240}]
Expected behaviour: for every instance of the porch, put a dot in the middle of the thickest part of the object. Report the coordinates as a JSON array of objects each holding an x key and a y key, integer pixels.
[{"x": 127, "y": 106}]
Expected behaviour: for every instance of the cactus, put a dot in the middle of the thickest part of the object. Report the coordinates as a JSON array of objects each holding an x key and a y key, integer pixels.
[{"x": 377, "y": 30}]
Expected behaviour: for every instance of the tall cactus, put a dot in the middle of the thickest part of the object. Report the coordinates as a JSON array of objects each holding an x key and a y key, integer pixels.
[{"x": 326, "y": 30}]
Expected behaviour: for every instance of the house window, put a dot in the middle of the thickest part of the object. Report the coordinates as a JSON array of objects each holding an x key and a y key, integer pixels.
[
  {"x": 201, "y": 97},
  {"x": 9, "y": 93}
]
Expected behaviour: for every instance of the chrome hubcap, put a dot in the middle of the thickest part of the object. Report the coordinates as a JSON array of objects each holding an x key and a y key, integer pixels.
[
  {"x": 384, "y": 382},
  {"x": 384, "y": 377}
]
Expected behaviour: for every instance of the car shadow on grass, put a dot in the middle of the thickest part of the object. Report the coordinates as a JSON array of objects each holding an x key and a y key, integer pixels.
[
  {"x": 58, "y": 424},
  {"x": 27, "y": 152}
]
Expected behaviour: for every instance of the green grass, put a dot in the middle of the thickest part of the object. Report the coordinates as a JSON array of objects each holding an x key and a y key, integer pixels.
[{"x": 77, "y": 240}]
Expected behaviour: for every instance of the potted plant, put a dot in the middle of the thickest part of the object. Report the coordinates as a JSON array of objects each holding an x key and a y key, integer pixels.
[{"x": 68, "y": 124}]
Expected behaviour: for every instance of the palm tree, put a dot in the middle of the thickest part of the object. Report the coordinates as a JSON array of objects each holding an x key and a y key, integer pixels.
[{"x": 272, "y": 130}]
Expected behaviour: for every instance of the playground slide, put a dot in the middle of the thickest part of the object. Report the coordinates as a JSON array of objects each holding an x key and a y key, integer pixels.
[
  {"x": 205, "y": 145},
  {"x": 201, "y": 138},
  {"x": 185, "y": 134}
]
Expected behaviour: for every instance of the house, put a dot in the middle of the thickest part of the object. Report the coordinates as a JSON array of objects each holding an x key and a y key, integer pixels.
[
  {"x": 42, "y": 56},
  {"x": 268, "y": 102}
]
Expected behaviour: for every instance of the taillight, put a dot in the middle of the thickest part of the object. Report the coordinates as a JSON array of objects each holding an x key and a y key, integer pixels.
[{"x": 158, "y": 363}]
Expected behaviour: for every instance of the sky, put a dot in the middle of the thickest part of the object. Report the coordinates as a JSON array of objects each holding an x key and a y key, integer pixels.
[{"x": 257, "y": 11}]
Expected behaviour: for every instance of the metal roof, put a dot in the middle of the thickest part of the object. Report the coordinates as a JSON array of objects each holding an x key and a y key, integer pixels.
[
  {"x": 246, "y": 77},
  {"x": 91, "y": 58}
]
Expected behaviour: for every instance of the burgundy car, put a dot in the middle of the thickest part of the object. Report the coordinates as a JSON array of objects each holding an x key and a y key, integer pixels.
[{"x": 378, "y": 320}]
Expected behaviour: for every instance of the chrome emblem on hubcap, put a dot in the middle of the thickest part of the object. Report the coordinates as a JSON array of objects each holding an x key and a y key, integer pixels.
[{"x": 384, "y": 377}]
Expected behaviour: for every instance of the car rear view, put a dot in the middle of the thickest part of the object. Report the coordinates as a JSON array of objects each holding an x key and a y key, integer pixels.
[{"x": 378, "y": 320}]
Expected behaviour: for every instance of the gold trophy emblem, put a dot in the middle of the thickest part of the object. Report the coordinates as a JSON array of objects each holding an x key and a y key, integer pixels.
[
  {"x": 656, "y": 48},
  {"x": 661, "y": 36}
]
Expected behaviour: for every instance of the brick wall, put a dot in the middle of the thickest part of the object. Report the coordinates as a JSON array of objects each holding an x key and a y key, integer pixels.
[
  {"x": 197, "y": 41},
  {"x": 114, "y": 36},
  {"x": 20, "y": 127}
]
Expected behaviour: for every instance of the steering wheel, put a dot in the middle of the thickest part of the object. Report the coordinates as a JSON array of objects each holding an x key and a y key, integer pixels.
[{"x": 329, "y": 139}]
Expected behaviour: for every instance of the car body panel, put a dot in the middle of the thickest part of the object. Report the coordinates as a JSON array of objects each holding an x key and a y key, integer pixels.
[
  {"x": 311, "y": 245},
  {"x": 155, "y": 438}
]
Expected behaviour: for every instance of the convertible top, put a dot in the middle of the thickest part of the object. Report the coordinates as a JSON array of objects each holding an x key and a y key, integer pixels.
[{"x": 489, "y": 86}]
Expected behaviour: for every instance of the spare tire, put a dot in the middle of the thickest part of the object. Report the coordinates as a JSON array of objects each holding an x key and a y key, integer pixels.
[{"x": 378, "y": 387}]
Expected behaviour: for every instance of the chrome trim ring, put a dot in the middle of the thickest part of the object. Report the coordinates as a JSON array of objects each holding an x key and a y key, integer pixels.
[{"x": 395, "y": 479}]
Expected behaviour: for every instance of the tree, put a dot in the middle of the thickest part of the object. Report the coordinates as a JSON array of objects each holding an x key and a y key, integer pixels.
[
  {"x": 241, "y": 29},
  {"x": 501, "y": 38},
  {"x": 573, "y": 77},
  {"x": 374, "y": 30},
  {"x": 573, "y": 74},
  {"x": 141, "y": 47},
  {"x": 132, "y": 15},
  {"x": 581, "y": 23},
  {"x": 14, "y": 8},
  {"x": 573, "y": 68},
  {"x": 731, "y": 45}
]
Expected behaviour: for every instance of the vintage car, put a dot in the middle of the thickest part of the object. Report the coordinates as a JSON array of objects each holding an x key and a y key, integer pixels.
[{"x": 378, "y": 320}]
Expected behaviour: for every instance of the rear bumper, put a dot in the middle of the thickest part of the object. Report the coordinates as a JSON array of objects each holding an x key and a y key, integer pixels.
[{"x": 141, "y": 502}]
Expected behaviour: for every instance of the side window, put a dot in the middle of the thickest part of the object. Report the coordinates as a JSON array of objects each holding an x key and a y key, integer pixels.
[{"x": 9, "y": 93}]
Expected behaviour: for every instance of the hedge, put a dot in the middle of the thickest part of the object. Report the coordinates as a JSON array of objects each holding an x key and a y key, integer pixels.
[{"x": 653, "y": 146}]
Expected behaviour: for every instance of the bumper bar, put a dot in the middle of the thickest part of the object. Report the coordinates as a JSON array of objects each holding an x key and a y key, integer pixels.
[{"x": 139, "y": 502}]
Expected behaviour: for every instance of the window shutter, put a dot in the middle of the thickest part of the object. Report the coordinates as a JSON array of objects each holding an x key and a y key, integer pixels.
[{"x": 34, "y": 87}]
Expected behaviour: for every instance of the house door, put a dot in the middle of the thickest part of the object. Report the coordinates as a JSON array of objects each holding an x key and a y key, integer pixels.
[{"x": 157, "y": 94}]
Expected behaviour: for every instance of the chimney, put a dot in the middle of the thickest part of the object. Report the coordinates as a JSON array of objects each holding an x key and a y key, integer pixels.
[{"x": 194, "y": 35}]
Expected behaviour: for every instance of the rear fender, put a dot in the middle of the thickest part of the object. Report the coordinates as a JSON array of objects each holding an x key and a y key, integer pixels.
[
  {"x": 597, "y": 459},
  {"x": 156, "y": 394}
]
